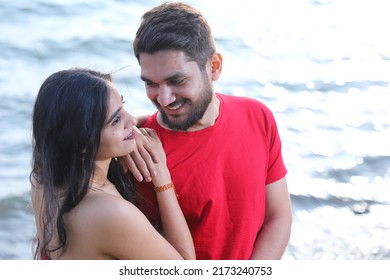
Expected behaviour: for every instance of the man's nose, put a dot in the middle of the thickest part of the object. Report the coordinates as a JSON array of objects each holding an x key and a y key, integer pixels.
[{"x": 165, "y": 96}]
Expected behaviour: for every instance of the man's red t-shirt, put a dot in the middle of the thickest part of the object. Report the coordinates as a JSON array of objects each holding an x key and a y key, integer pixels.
[{"x": 221, "y": 173}]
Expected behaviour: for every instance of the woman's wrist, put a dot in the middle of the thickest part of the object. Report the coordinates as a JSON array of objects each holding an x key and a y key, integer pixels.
[
  {"x": 159, "y": 189},
  {"x": 163, "y": 177}
]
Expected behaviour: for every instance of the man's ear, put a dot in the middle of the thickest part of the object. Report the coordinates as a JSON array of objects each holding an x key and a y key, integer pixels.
[{"x": 216, "y": 66}]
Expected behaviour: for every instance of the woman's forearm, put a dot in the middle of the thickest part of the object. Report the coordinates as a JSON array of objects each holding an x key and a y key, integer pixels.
[{"x": 174, "y": 224}]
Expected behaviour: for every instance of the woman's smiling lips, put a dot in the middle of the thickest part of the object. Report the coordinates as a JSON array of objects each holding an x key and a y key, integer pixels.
[{"x": 130, "y": 136}]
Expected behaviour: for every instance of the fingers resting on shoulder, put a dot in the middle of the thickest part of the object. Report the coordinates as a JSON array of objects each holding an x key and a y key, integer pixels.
[{"x": 148, "y": 152}]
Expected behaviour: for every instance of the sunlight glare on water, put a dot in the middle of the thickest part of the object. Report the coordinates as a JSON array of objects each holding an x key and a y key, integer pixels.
[{"x": 322, "y": 67}]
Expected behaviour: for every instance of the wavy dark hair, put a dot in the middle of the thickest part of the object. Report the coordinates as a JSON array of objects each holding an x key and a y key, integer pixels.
[
  {"x": 175, "y": 26},
  {"x": 68, "y": 116}
]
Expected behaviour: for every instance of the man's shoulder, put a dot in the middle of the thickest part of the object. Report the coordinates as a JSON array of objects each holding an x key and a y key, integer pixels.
[
  {"x": 150, "y": 122},
  {"x": 243, "y": 102}
]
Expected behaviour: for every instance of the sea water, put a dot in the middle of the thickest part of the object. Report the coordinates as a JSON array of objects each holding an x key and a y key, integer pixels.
[{"x": 322, "y": 66}]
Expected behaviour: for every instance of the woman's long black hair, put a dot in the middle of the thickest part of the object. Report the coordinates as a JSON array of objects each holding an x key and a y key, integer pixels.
[{"x": 68, "y": 116}]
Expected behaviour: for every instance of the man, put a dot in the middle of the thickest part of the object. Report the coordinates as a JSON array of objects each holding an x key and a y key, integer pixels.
[{"x": 224, "y": 152}]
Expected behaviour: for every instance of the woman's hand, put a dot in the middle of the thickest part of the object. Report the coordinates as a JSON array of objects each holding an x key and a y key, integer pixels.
[
  {"x": 162, "y": 175},
  {"x": 141, "y": 162}
]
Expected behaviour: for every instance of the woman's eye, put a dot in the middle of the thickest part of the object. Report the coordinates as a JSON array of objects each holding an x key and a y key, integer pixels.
[{"x": 116, "y": 120}]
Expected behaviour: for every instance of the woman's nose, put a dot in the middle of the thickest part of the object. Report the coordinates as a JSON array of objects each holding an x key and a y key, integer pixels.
[{"x": 131, "y": 120}]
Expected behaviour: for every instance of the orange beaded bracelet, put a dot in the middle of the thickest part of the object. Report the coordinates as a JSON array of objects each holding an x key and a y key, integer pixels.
[{"x": 166, "y": 187}]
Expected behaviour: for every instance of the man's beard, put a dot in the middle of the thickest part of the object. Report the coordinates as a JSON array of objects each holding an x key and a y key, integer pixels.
[{"x": 196, "y": 113}]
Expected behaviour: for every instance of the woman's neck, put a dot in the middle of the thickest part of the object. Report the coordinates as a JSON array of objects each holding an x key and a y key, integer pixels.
[{"x": 99, "y": 177}]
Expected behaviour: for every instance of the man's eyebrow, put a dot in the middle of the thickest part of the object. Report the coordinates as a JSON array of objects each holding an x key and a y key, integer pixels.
[
  {"x": 145, "y": 79},
  {"x": 170, "y": 78},
  {"x": 177, "y": 76}
]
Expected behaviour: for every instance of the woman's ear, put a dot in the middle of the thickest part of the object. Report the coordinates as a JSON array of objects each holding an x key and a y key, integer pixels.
[{"x": 216, "y": 66}]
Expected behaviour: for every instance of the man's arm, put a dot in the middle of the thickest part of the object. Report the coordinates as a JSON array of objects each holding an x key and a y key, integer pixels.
[
  {"x": 273, "y": 237},
  {"x": 142, "y": 116}
]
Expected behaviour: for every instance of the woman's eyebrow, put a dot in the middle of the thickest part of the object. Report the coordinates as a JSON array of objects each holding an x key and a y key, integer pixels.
[{"x": 113, "y": 115}]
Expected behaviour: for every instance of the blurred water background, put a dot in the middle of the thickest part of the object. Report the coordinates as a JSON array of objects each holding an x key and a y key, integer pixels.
[{"x": 322, "y": 66}]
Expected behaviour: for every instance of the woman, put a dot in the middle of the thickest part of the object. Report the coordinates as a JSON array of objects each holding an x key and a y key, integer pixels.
[{"x": 83, "y": 202}]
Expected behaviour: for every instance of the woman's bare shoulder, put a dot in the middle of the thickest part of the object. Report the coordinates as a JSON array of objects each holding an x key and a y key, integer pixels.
[{"x": 105, "y": 208}]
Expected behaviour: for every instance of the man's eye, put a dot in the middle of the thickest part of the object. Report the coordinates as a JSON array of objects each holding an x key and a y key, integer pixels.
[
  {"x": 176, "y": 82},
  {"x": 150, "y": 84}
]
